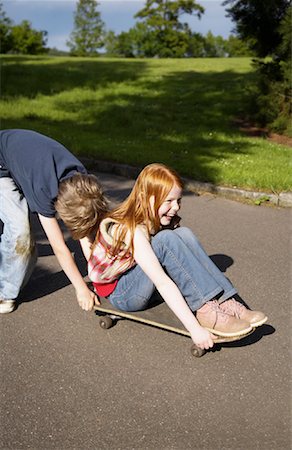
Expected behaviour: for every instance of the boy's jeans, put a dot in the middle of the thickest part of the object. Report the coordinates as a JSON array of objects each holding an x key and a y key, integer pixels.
[
  {"x": 185, "y": 261},
  {"x": 17, "y": 249}
]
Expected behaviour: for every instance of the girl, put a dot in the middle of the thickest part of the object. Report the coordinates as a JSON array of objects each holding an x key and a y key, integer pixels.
[{"x": 139, "y": 248}]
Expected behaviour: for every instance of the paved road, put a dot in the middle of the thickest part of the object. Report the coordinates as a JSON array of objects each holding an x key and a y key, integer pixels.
[{"x": 68, "y": 384}]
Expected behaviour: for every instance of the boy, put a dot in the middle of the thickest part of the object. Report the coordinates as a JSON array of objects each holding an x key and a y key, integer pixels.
[{"x": 40, "y": 175}]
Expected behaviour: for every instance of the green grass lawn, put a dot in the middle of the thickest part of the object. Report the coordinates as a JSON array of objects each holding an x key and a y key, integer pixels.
[{"x": 175, "y": 111}]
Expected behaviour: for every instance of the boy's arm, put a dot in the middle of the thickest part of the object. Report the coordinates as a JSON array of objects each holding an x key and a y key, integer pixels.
[
  {"x": 147, "y": 260},
  {"x": 86, "y": 298}
]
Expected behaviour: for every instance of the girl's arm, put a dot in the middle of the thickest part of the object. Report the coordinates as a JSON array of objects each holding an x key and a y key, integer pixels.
[
  {"x": 86, "y": 244},
  {"x": 85, "y": 297},
  {"x": 147, "y": 260}
]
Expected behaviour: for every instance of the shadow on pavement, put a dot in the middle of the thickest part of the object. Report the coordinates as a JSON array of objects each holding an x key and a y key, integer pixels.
[
  {"x": 256, "y": 336},
  {"x": 45, "y": 280},
  {"x": 222, "y": 261}
]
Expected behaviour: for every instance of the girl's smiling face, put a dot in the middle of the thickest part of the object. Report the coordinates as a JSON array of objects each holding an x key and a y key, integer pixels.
[{"x": 171, "y": 205}]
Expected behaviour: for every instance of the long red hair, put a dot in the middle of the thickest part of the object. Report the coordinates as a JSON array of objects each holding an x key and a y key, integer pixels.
[{"x": 156, "y": 181}]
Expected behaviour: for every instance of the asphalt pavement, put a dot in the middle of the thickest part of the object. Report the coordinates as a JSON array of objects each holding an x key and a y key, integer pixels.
[{"x": 68, "y": 384}]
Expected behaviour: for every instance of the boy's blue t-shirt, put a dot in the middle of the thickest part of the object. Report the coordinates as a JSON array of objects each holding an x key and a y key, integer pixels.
[{"x": 37, "y": 164}]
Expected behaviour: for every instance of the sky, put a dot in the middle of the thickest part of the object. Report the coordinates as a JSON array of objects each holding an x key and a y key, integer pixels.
[{"x": 57, "y": 17}]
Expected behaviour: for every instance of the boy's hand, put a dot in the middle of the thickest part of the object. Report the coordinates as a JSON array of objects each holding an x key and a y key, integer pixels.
[{"x": 87, "y": 299}]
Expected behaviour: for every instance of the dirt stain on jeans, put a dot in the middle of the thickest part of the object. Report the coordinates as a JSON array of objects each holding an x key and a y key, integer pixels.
[{"x": 24, "y": 245}]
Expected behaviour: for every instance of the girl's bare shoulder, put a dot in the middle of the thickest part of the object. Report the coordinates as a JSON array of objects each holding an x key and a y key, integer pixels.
[{"x": 143, "y": 229}]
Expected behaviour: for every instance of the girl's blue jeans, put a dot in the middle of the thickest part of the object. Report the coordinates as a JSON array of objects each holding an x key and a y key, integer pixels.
[
  {"x": 187, "y": 264},
  {"x": 17, "y": 248}
]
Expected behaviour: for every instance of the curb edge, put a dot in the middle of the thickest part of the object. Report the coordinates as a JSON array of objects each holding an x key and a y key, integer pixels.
[{"x": 283, "y": 199}]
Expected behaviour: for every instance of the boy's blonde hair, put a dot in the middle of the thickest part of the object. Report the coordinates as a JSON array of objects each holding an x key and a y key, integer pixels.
[
  {"x": 155, "y": 180},
  {"x": 81, "y": 205}
]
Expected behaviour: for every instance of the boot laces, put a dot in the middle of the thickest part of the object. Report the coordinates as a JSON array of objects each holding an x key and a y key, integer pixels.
[
  {"x": 221, "y": 315},
  {"x": 231, "y": 306}
]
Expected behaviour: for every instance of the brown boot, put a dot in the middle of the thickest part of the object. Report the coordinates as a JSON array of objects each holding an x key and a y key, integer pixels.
[
  {"x": 211, "y": 317},
  {"x": 238, "y": 310}
]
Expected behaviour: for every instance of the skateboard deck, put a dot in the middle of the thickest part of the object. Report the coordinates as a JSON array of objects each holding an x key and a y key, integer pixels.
[{"x": 158, "y": 315}]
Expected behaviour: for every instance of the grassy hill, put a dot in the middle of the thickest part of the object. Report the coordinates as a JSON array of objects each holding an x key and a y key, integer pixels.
[{"x": 180, "y": 112}]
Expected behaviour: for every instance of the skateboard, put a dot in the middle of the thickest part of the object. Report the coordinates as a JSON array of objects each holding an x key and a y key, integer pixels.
[{"x": 158, "y": 315}]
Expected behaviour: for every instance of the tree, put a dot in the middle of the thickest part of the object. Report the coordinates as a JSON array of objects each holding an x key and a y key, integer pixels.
[
  {"x": 257, "y": 22},
  {"x": 26, "y": 40},
  {"x": 237, "y": 47},
  {"x": 162, "y": 20},
  {"x": 88, "y": 33},
  {"x": 284, "y": 50},
  {"x": 215, "y": 46},
  {"x": 21, "y": 38},
  {"x": 125, "y": 44},
  {"x": 265, "y": 25},
  {"x": 196, "y": 47},
  {"x": 5, "y": 31},
  {"x": 110, "y": 43}
]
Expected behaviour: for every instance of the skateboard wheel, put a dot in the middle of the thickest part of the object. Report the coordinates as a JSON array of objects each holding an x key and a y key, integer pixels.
[
  {"x": 106, "y": 322},
  {"x": 197, "y": 352}
]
